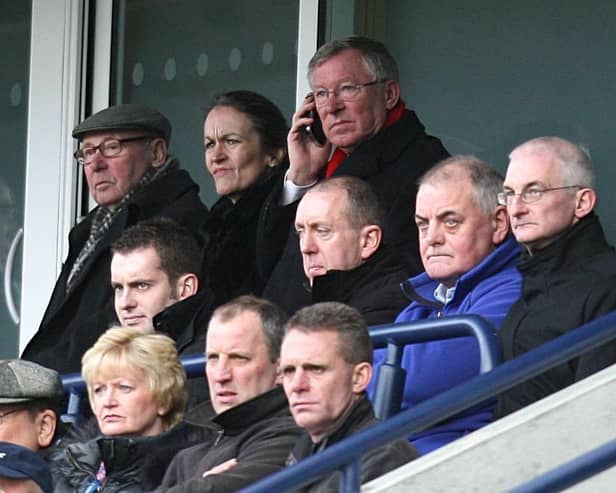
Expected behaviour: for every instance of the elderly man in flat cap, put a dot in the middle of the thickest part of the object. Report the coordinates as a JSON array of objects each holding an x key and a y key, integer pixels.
[
  {"x": 130, "y": 175},
  {"x": 30, "y": 397}
]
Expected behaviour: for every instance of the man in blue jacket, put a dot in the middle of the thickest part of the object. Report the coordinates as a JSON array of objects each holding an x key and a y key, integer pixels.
[{"x": 469, "y": 259}]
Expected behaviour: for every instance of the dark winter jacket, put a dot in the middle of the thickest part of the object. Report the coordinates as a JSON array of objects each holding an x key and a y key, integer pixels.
[
  {"x": 186, "y": 323},
  {"x": 229, "y": 263},
  {"x": 391, "y": 162},
  {"x": 565, "y": 285},
  {"x": 373, "y": 288},
  {"x": 132, "y": 465},
  {"x": 373, "y": 464},
  {"x": 73, "y": 321},
  {"x": 488, "y": 289},
  {"x": 259, "y": 433}
]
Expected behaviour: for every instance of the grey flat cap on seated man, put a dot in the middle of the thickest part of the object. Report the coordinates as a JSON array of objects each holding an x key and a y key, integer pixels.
[
  {"x": 124, "y": 154},
  {"x": 126, "y": 117},
  {"x": 29, "y": 399}
]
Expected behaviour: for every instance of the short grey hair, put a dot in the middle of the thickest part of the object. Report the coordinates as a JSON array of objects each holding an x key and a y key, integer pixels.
[
  {"x": 485, "y": 180},
  {"x": 576, "y": 167},
  {"x": 375, "y": 55}
]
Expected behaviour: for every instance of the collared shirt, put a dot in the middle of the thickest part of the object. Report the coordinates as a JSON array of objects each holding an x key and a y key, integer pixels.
[{"x": 444, "y": 294}]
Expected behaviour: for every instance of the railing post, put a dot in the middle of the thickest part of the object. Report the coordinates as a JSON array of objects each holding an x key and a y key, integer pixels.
[
  {"x": 390, "y": 383},
  {"x": 73, "y": 411},
  {"x": 349, "y": 479}
]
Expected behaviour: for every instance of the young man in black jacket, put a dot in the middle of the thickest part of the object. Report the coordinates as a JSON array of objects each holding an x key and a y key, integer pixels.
[{"x": 131, "y": 176}]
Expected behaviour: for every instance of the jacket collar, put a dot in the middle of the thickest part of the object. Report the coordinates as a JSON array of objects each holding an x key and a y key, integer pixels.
[
  {"x": 238, "y": 418},
  {"x": 342, "y": 284},
  {"x": 382, "y": 149},
  {"x": 360, "y": 414},
  {"x": 178, "y": 320},
  {"x": 583, "y": 240},
  {"x": 421, "y": 288}
]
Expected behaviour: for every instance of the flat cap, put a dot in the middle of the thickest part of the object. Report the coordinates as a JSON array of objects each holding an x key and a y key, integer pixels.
[
  {"x": 23, "y": 381},
  {"x": 19, "y": 462},
  {"x": 126, "y": 117}
]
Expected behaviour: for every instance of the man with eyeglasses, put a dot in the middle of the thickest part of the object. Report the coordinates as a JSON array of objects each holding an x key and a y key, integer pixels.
[
  {"x": 370, "y": 134},
  {"x": 567, "y": 266},
  {"x": 124, "y": 154}
]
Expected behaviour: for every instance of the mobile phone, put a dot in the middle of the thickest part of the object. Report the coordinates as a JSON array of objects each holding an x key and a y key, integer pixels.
[{"x": 316, "y": 129}]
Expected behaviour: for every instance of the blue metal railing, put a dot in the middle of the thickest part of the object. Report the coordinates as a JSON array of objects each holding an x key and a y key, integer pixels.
[
  {"x": 75, "y": 387},
  {"x": 441, "y": 407},
  {"x": 391, "y": 375},
  {"x": 394, "y": 336}
]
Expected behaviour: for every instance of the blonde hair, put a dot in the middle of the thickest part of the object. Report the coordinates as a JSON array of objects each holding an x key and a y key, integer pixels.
[{"x": 152, "y": 355}]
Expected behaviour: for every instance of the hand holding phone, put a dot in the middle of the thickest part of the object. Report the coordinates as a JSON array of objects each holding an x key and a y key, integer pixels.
[{"x": 316, "y": 128}]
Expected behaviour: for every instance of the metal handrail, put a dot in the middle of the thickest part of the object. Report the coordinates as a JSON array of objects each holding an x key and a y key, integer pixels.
[
  {"x": 391, "y": 376},
  {"x": 441, "y": 407},
  {"x": 395, "y": 335}
]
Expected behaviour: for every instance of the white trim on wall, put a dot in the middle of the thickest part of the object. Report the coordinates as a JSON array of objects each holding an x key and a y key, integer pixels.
[
  {"x": 306, "y": 44},
  {"x": 51, "y": 174}
]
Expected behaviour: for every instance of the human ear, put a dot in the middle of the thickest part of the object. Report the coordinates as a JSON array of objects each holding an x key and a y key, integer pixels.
[
  {"x": 278, "y": 373},
  {"x": 585, "y": 200},
  {"x": 46, "y": 427},
  {"x": 370, "y": 237},
  {"x": 362, "y": 374},
  {"x": 158, "y": 147},
  {"x": 392, "y": 93},
  {"x": 276, "y": 157},
  {"x": 187, "y": 285},
  {"x": 500, "y": 225}
]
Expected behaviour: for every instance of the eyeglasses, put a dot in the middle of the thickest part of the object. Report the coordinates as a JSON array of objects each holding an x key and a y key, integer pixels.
[
  {"x": 108, "y": 148},
  {"x": 8, "y": 413},
  {"x": 346, "y": 92},
  {"x": 529, "y": 195}
]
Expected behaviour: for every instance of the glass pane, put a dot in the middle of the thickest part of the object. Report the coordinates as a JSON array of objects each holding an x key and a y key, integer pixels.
[
  {"x": 15, "y": 32},
  {"x": 484, "y": 79},
  {"x": 175, "y": 55}
]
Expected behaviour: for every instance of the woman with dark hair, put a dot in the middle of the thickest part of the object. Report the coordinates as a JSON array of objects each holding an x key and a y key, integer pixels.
[{"x": 245, "y": 138}]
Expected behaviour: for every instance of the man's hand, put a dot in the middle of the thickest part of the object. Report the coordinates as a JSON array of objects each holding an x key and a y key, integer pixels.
[
  {"x": 220, "y": 468},
  {"x": 306, "y": 157}
]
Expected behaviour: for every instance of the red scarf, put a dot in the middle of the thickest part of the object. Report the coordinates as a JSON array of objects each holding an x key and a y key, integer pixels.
[{"x": 393, "y": 116}]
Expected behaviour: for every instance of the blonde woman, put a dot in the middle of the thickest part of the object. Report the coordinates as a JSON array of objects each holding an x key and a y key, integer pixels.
[{"x": 137, "y": 392}]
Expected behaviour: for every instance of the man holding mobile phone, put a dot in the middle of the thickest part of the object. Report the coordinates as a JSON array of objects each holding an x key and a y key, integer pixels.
[{"x": 370, "y": 135}]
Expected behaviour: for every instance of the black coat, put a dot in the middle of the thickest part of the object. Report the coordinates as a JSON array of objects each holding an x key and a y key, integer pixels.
[
  {"x": 373, "y": 288},
  {"x": 186, "y": 323},
  {"x": 73, "y": 321},
  {"x": 132, "y": 464},
  {"x": 373, "y": 464},
  {"x": 391, "y": 162},
  {"x": 259, "y": 433},
  {"x": 565, "y": 285},
  {"x": 229, "y": 261}
]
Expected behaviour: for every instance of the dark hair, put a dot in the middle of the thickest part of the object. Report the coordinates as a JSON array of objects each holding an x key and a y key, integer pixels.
[
  {"x": 363, "y": 206},
  {"x": 266, "y": 117},
  {"x": 355, "y": 344},
  {"x": 177, "y": 248},
  {"x": 377, "y": 58},
  {"x": 272, "y": 318}
]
